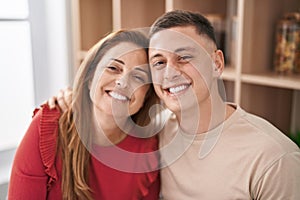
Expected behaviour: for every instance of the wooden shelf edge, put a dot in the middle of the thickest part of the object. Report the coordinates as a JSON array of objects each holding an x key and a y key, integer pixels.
[
  {"x": 228, "y": 74},
  {"x": 273, "y": 80},
  {"x": 82, "y": 54}
]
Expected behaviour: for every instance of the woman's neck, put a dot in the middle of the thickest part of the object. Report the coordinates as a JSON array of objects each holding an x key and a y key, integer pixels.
[{"x": 107, "y": 129}]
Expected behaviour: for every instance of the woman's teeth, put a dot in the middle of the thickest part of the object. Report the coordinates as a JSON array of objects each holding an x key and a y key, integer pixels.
[{"x": 118, "y": 96}]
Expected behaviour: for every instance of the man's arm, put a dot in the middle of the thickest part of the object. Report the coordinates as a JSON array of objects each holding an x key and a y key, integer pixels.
[{"x": 281, "y": 180}]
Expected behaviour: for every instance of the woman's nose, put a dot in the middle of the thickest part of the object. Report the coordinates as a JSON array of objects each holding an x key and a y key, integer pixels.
[{"x": 122, "y": 82}]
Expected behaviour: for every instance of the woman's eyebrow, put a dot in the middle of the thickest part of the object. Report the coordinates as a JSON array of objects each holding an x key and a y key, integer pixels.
[
  {"x": 141, "y": 69},
  {"x": 117, "y": 60}
]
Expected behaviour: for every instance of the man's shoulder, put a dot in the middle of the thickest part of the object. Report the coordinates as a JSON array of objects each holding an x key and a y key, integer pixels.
[{"x": 262, "y": 134}]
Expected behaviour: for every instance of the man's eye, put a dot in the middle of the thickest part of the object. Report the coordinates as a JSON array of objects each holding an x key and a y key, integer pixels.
[
  {"x": 158, "y": 64},
  {"x": 185, "y": 58}
]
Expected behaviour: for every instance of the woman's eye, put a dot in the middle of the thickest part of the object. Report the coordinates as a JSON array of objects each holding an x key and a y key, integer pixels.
[
  {"x": 112, "y": 68},
  {"x": 139, "y": 78}
]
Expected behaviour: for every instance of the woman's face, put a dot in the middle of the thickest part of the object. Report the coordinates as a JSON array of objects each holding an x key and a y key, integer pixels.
[{"x": 121, "y": 80}]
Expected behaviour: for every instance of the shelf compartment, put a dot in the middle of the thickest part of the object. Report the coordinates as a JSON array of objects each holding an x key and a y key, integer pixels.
[
  {"x": 260, "y": 18},
  {"x": 273, "y": 79},
  {"x": 273, "y": 104},
  {"x": 202, "y": 6},
  {"x": 95, "y": 21},
  {"x": 139, "y": 13},
  {"x": 229, "y": 90}
]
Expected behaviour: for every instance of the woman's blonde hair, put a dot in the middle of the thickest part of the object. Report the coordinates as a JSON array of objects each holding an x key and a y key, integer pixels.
[{"x": 72, "y": 143}]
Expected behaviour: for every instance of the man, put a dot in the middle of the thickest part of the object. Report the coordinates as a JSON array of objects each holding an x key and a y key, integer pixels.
[
  {"x": 211, "y": 149},
  {"x": 234, "y": 155}
]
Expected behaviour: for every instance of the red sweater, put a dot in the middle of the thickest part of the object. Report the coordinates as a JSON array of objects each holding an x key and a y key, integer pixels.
[{"x": 37, "y": 169}]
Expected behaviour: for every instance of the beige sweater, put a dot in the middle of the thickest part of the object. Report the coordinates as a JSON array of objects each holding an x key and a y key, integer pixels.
[{"x": 244, "y": 158}]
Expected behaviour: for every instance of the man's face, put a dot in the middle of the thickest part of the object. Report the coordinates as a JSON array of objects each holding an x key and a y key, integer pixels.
[{"x": 182, "y": 67}]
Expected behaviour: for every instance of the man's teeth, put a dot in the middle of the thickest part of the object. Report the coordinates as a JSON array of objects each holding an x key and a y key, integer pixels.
[
  {"x": 177, "y": 89},
  {"x": 118, "y": 96}
]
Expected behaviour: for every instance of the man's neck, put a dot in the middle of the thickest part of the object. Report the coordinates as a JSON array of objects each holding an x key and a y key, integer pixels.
[{"x": 206, "y": 116}]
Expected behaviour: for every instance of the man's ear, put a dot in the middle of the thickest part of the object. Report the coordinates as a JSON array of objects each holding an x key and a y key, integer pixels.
[{"x": 219, "y": 64}]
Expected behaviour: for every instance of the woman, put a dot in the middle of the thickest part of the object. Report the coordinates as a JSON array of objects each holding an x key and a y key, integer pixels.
[{"x": 93, "y": 150}]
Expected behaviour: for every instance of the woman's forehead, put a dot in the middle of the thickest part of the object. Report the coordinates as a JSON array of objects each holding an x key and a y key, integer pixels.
[{"x": 122, "y": 48}]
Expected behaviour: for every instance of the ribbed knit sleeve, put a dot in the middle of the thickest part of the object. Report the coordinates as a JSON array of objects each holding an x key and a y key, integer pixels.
[
  {"x": 48, "y": 140},
  {"x": 33, "y": 170}
]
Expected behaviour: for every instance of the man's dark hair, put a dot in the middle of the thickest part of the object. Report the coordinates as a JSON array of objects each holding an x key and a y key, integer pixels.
[{"x": 184, "y": 18}]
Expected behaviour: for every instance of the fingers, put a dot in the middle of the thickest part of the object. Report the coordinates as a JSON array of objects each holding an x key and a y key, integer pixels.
[
  {"x": 68, "y": 96},
  {"x": 51, "y": 102},
  {"x": 61, "y": 101}
]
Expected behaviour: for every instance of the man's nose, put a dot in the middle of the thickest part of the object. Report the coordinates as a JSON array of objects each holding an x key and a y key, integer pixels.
[{"x": 172, "y": 71}]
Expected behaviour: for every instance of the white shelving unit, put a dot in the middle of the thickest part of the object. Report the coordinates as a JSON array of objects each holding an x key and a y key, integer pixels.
[{"x": 250, "y": 82}]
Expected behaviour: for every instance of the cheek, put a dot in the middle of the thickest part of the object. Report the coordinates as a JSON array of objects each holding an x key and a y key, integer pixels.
[
  {"x": 96, "y": 87},
  {"x": 95, "y": 90},
  {"x": 157, "y": 90},
  {"x": 201, "y": 72},
  {"x": 202, "y": 84},
  {"x": 202, "y": 68},
  {"x": 140, "y": 94},
  {"x": 157, "y": 77}
]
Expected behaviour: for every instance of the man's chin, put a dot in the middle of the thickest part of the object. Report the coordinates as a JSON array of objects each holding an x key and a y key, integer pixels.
[{"x": 173, "y": 106}]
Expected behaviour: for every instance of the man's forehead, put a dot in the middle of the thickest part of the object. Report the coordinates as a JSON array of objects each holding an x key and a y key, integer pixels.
[
  {"x": 171, "y": 40},
  {"x": 177, "y": 46},
  {"x": 177, "y": 38}
]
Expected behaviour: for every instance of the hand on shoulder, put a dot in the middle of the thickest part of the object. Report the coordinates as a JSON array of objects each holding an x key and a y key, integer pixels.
[{"x": 63, "y": 99}]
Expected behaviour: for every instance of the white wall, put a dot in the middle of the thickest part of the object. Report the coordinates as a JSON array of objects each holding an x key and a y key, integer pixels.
[
  {"x": 16, "y": 77},
  {"x": 16, "y": 81},
  {"x": 50, "y": 47},
  {"x": 34, "y": 62}
]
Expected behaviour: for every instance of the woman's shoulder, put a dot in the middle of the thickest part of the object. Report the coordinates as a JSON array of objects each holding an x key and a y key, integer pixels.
[
  {"x": 45, "y": 114},
  {"x": 48, "y": 120},
  {"x": 44, "y": 124},
  {"x": 39, "y": 143}
]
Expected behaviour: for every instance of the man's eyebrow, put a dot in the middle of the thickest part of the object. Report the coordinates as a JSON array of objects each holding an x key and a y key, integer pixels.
[
  {"x": 117, "y": 60},
  {"x": 181, "y": 49},
  {"x": 155, "y": 56},
  {"x": 184, "y": 49}
]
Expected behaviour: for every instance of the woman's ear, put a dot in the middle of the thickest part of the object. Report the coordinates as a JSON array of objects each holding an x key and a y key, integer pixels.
[{"x": 219, "y": 64}]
